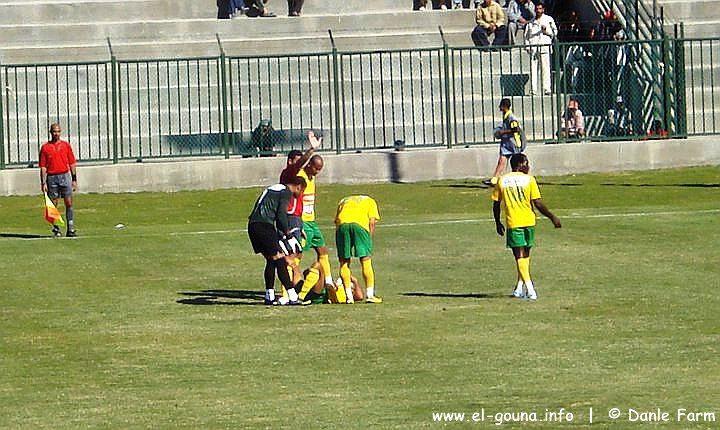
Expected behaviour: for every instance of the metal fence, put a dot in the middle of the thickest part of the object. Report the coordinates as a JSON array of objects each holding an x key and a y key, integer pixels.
[{"x": 447, "y": 96}]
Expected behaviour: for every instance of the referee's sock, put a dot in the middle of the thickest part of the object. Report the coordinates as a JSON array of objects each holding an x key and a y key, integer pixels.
[{"x": 70, "y": 216}]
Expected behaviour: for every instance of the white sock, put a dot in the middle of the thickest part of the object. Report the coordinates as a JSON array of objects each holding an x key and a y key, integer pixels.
[
  {"x": 292, "y": 294},
  {"x": 329, "y": 280},
  {"x": 349, "y": 294},
  {"x": 519, "y": 288},
  {"x": 371, "y": 292},
  {"x": 530, "y": 288},
  {"x": 270, "y": 294}
]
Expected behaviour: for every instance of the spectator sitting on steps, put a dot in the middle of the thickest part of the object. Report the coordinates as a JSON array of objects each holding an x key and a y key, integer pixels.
[
  {"x": 256, "y": 8},
  {"x": 490, "y": 19},
  {"x": 519, "y": 13}
]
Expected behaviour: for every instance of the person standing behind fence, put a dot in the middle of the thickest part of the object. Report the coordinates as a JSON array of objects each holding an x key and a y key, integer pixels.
[
  {"x": 539, "y": 34},
  {"x": 58, "y": 176},
  {"x": 295, "y": 7},
  {"x": 490, "y": 19}
]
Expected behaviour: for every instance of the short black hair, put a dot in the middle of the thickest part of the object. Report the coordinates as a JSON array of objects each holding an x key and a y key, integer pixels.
[
  {"x": 294, "y": 153},
  {"x": 296, "y": 180},
  {"x": 516, "y": 160},
  {"x": 505, "y": 103}
]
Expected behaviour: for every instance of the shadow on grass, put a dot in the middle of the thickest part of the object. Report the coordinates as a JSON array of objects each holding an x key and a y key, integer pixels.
[
  {"x": 610, "y": 184},
  {"x": 216, "y": 297},
  {"x": 465, "y": 185},
  {"x": 458, "y": 295},
  {"x": 23, "y": 236}
]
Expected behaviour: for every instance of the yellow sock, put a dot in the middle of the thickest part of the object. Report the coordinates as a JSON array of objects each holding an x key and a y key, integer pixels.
[
  {"x": 310, "y": 281},
  {"x": 284, "y": 292},
  {"x": 345, "y": 274},
  {"x": 324, "y": 261},
  {"x": 340, "y": 294},
  {"x": 523, "y": 265},
  {"x": 368, "y": 273}
]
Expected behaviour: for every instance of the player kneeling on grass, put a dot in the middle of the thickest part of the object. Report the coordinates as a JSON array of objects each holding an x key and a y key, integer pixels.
[
  {"x": 519, "y": 192},
  {"x": 354, "y": 231},
  {"x": 268, "y": 230}
]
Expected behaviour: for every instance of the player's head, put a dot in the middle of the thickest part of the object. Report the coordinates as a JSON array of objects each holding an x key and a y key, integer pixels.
[
  {"x": 539, "y": 9},
  {"x": 293, "y": 157},
  {"x": 55, "y": 131},
  {"x": 504, "y": 105},
  {"x": 519, "y": 163},
  {"x": 296, "y": 185},
  {"x": 314, "y": 166}
]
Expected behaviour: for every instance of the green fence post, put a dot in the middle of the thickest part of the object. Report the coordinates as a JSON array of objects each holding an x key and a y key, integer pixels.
[
  {"x": 2, "y": 123},
  {"x": 446, "y": 81},
  {"x": 114, "y": 95},
  {"x": 336, "y": 91},
  {"x": 680, "y": 102},
  {"x": 224, "y": 98},
  {"x": 558, "y": 93},
  {"x": 667, "y": 85}
]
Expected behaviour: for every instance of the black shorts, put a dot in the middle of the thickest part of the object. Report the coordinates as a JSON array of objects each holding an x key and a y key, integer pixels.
[{"x": 266, "y": 240}]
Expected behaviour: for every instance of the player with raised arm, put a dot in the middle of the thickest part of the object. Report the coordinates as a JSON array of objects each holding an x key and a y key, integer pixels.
[
  {"x": 518, "y": 193},
  {"x": 296, "y": 160}
]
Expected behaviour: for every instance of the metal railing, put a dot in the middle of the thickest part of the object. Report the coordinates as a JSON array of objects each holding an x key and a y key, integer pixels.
[{"x": 226, "y": 106}]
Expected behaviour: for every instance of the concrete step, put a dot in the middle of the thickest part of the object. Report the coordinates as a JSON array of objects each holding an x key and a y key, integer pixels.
[
  {"x": 187, "y": 38},
  {"x": 73, "y": 11}
]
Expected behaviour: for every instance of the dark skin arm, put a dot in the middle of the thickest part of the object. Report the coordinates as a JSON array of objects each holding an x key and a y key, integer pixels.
[
  {"x": 499, "y": 227},
  {"x": 545, "y": 211}
]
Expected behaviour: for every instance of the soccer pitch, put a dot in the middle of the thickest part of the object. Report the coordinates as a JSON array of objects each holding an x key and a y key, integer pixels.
[{"x": 160, "y": 324}]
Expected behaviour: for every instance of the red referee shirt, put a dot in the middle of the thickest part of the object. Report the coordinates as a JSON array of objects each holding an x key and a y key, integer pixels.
[
  {"x": 296, "y": 205},
  {"x": 57, "y": 157}
]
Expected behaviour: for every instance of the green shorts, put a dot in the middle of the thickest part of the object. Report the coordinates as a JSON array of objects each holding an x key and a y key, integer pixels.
[
  {"x": 352, "y": 240},
  {"x": 314, "y": 237},
  {"x": 521, "y": 237}
]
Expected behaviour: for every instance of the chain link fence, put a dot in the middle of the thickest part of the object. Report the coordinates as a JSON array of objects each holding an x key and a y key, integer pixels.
[{"x": 261, "y": 106}]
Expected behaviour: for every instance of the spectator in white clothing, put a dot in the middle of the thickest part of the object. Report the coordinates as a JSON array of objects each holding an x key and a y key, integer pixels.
[{"x": 539, "y": 34}]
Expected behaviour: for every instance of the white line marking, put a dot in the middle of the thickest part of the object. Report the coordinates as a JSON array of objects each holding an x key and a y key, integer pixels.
[{"x": 391, "y": 225}]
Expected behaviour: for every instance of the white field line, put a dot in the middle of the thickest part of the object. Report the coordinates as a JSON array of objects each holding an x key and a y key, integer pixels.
[{"x": 408, "y": 224}]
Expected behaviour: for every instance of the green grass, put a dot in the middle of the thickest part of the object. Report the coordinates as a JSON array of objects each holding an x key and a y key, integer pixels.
[{"x": 158, "y": 326}]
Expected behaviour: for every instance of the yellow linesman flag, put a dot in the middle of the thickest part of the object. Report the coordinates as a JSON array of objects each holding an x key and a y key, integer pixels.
[{"x": 52, "y": 214}]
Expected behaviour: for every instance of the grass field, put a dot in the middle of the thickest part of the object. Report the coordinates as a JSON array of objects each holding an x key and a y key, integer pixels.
[{"x": 159, "y": 325}]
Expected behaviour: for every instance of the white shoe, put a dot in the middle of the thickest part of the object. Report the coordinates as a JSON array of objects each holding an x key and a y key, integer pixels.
[
  {"x": 421, "y": 8},
  {"x": 443, "y": 7},
  {"x": 532, "y": 297},
  {"x": 518, "y": 294}
]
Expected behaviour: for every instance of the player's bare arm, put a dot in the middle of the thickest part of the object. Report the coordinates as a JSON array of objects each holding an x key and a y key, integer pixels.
[
  {"x": 499, "y": 227},
  {"x": 545, "y": 211}
]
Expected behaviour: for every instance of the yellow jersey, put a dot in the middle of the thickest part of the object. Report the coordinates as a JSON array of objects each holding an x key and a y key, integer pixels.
[
  {"x": 308, "y": 197},
  {"x": 516, "y": 191},
  {"x": 357, "y": 210}
]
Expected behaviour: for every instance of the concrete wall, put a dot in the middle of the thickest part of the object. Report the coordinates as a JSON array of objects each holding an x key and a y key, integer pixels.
[{"x": 407, "y": 166}]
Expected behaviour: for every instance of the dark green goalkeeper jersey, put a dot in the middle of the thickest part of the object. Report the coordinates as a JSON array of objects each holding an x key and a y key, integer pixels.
[{"x": 271, "y": 207}]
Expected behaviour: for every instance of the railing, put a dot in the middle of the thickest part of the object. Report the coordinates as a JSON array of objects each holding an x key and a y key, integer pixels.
[{"x": 440, "y": 97}]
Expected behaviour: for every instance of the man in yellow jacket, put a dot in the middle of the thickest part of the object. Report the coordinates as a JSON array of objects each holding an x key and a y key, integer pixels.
[{"x": 490, "y": 19}]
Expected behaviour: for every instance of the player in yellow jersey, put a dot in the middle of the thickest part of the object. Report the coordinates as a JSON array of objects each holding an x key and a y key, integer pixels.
[
  {"x": 313, "y": 236},
  {"x": 518, "y": 192},
  {"x": 354, "y": 231}
]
